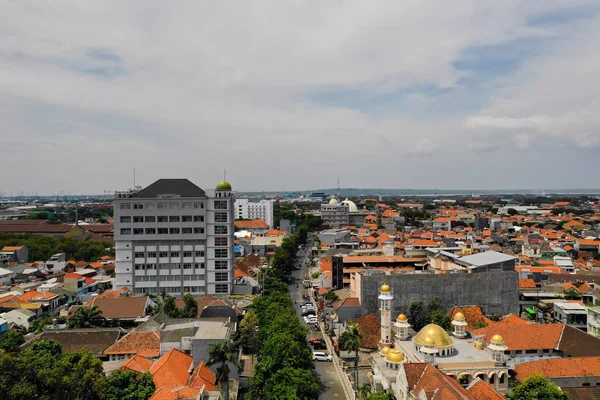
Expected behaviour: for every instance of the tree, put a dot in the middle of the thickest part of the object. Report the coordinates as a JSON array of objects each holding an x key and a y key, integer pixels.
[
  {"x": 249, "y": 332},
  {"x": 537, "y": 387},
  {"x": 87, "y": 317},
  {"x": 351, "y": 340},
  {"x": 388, "y": 395},
  {"x": 221, "y": 353},
  {"x": 190, "y": 307},
  {"x": 440, "y": 318},
  {"x": 292, "y": 384},
  {"x": 12, "y": 341},
  {"x": 415, "y": 310},
  {"x": 129, "y": 385},
  {"x": 332, "y": 296}
]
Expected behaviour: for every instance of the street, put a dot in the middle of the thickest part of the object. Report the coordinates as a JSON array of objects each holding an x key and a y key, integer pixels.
[{"x": 326, "y": 370}]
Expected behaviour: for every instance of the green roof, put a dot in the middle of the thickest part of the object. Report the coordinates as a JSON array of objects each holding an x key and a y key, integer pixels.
[{"x": 224, "y": 185}]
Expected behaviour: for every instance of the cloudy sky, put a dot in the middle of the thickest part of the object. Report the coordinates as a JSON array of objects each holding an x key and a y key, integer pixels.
[{"x": 467, "y": 94}]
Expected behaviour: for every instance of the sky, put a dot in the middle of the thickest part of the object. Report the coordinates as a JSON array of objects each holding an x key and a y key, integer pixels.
[{"x": 298, "y": 94}]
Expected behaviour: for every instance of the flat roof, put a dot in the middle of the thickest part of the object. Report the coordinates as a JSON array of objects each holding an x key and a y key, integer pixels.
[
  {"x": 386, "y": 259},
  {"x": 485, "y": 258},
  {"x": 212, "y": 330}
]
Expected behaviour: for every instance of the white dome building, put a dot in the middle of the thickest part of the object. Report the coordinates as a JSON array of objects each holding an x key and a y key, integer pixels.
[
  {"x": 333, "y": 201},
  {"x": 351, "y": 206}
]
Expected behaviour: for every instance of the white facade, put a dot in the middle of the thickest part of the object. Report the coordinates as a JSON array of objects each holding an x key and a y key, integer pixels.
[
  {"x": 593, "y": 321},
  {"x": 6, "y": 277},
  {"x": 248, "y": 209},
  {"x": 175, "y": 237}
]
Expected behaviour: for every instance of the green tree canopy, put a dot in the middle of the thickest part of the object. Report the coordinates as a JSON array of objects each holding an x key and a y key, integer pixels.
[
  {"x": 128, "y": 385},
  {"x": 11, "y": 342},
  {"x": 537, "y": 387},
  {"x": 221, "y": 353},
  {"x": 190, "y": 307},
  {"x": 351, "y": 340},
  {"x": 87, "y": 317},
  {"x": 292, "y": 384}
]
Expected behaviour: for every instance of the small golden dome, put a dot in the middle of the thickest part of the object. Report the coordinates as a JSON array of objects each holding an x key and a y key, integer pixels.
[
  {"x": 401, "y": 317},
  {"x": 428, "y": 341},
  {"x": 437, "y": 333},
  {"x": 395, "y": 356},
  {"x": 497, "y": 339},
  {"x": 385, "y": 288},
  {"x": 385, "y": 350},
  {"x": 459, "y": 316}
]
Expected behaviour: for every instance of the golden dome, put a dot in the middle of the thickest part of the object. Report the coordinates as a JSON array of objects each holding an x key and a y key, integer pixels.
[
  {"x": 435, "y": 332},
  {"x": 401, "y": 317},
  {"x": 385, "y": 288},
  {"x": 459, "y": 316},
  {"x": 385, "y": 350},
  {"x": 428, "y": 341},
  {"x": 395, "y": 356},
  {"x": 497, "y": 339}
]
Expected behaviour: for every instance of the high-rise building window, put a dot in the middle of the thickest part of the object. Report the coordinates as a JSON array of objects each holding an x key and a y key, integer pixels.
[
  {"x": 174, "y": 218},
  {"x": 221, "y": 288},
  {"x": 125, "y": 220},
  {"x": 125, "y": 231},
  {"x": 186, "y": 231},
  {"x": 199, "y": 254},
  {"x": 163, "y": 218},
  {"x": 221, "y": 241},
  {"x": 139, "y": 254},
  {"x": 150, "y": 218},
  {"x": 221, "y": 253},
  {"x": 186, "y": 218},
  {"x": 220, "y": 217},
  {"x": 220, "y": 204},
  {"x": 173, "y": 231},
  {"x": 221, "y": 276},
  {"x": 199, "y": 230},
  {"x": 220, "y": 229},
  {"x": 198, "y": 218},
  {"x": 138, "y": 219},
  {"x": 221, "y": 264},
  {"x": 163, "y": 231},
  {"x": 150, "y": 231}
]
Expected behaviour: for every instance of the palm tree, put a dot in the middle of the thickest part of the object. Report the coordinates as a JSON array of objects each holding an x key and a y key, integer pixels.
[
  {"x": 87, "y": 317},
  {"x": 221, "y": 353},
  {"x": 351, "y": 340}
]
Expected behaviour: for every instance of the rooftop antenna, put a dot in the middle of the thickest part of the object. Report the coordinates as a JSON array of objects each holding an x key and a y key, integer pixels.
[
  {"x": 224, "y": 174},
  {"x": 338, "y": 192},
  {"x": 134, "y": 179}
]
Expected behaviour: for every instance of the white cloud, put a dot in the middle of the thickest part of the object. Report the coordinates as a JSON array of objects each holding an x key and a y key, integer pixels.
[{"x": 187, "y": 89}]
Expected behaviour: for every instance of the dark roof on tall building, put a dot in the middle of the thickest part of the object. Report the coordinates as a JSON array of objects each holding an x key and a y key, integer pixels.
[{"x": 180, "y": 187}]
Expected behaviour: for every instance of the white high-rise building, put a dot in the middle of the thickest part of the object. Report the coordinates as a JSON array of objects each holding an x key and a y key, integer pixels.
[
  {"x": 175, "y": 237},
  {"x": 248, "y": 209}
]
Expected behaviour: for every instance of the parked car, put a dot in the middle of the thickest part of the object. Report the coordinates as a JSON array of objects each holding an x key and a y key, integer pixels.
[
  {"x": 320, "y": 356},
  {"x": 318, "y": 345},
  {"x": 308, "y": 312}
]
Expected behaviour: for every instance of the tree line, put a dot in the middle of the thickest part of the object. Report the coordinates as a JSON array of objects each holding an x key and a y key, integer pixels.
[
  {"x": 284, "y": 370},
  {"x": 41, "y": 248}
]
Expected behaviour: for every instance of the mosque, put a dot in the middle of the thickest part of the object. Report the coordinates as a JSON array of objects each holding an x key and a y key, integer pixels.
[{"x": 458, "y": 356}]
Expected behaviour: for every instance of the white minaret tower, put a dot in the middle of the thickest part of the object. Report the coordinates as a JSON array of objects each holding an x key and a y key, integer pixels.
[{"x": 385, "y": 307}]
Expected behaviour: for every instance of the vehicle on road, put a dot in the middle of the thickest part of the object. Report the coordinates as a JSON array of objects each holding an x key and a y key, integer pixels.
[{"x": 320, "y": 356}]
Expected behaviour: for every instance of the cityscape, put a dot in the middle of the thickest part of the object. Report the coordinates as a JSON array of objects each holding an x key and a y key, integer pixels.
[{"x": 300, "y": 200}]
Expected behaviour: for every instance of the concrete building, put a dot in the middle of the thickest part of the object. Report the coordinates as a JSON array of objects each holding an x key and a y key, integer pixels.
[
  {"x": 335, "y": 214},
  {"x": 593, "y": 321},
  {"x": 573, "y": 314},
  {"x": 14, "y": 254},
  {"x": 248, "y": 209},
  {"x": 6, "y": 277},
  {"x": 176, "y": 237}
]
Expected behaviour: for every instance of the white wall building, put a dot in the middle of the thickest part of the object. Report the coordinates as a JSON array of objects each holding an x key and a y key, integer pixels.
[
  {"x": 176, "y": 237},
  {"x": 248, "y": 209}
]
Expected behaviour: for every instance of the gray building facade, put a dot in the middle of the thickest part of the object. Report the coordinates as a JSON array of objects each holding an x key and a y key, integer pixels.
[{"x": 175, "y": 237}]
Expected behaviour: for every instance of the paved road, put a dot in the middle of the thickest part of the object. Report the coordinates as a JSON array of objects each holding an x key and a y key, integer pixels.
[{"x": 326, "y": 370}]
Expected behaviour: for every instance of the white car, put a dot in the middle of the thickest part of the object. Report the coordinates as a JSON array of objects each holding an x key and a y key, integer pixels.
[{"x": 320, "y": 356}]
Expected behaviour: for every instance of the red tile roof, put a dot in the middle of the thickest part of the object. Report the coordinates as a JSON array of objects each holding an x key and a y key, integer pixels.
[
  {"x": 137, "y": 363},
  {"x": 524, "y": 337},
  {"x": 560, "y": 368},
  {"x": 479, "y": 390},
  {"x": 203, "y": 376},
  {"x": 254, "y": 224},
  {"x": 527, "y": 283},
  {"x": 172, "y": 369},
  {"x": 145, "y": 344},
  {"x": 175, "y": 393}
]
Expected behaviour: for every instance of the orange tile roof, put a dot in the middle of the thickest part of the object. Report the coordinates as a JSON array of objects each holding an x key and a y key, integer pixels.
[
  {"x": 429, "y": 243},
  {"x": 35, "y": 295},
  {"x": 238, "y": 273},
  {"x": 254, "y": 224},
  {"x": 479, "y": 390},
  {"x": 370, "y": 327},
  {"x": 203, "y": 376},
  {"x": 325, "y": 264},
  {"x": 145, "y": 344},
  {"x": 438, "y": 385},
  {"x": 137, "y": 363},
  {"x": 527, "y": 283},
  {"x": 175, "y": 393},
  {"x": 473, "y": 316},
  {"x": 589, "y": 242},
  {"x": 509, "y": 320},
  {"x": 72, "y": 275},
  {"x": 12, "y": 248},
  {"x": 560, "y": 367},
  {"x": 442, "y": 219},
  {"x": 525, "y": 337},
  {"x": 172, "y": 369}
]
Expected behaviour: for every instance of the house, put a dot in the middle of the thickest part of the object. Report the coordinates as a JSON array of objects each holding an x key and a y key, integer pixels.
[
  {"x": 127, "y": 310},
  {"x": 3, "y": 325},
  {"x": 95, "y": 340},
  {"x": 19, "y": 317},
  {"x": 144, "y": 344},
  {"x": 443, "y": 223},
  {"x": 593, "y": 321},
  {"x": 14, "y": 254},
  {"x": 564, "y": 372},
  {"x": 570, "y": 313},
  {"x": 7, "y": 277},
  {"x": 79, "y": 284}
]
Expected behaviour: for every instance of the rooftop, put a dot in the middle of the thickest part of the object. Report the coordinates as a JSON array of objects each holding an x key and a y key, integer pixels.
[{"x": 169, "y": 188}]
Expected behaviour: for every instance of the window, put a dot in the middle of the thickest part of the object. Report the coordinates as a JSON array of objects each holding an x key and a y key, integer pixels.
[
  {"x": 174, "y": 218},
  {"x": 151, "y": 218},
  {"x": 174, "y": 205},
  {"x": 585, "y": 384},
  {"x": 163, "y": 254},
  {"x": 199, "y": 230},
  {"x": 163, "y": 266},
  {"x": 139, "y": 254},
  {"x": 221, "y": 230},
  {"x": 221, "y": 288},
  {"x": 221, "y": 241},
  {"x": 174, "y": 231},
  {"x": 125, "y": 206},
  {"x": 221, "y": 276},
  {"x": 220, "y": 217},
  {"x": 220, "y": 204},
  {"x": 139, "y": 266},
  {"x": 151, "y": 254},
  {"x": 221, "y": 253},
  {"x": 163, "y": 218},
  {"x": 198, "y": 204},
  {"x": 186, "y": 230},
  {"x": 199, "y": 254},
  {"x": 150, "y": 266},
  {"x": 186, "y": 218},
  {"x": 138, "y": 219},
  {"x": 174, "y": 254},
  {"x": 138, "y": 206},
  {"x": 546, "y": 351},
  {"x": 163, "y": 231},
  {"x": 125, "y": 220},
  {"x": 125, "y": 231},
  {"x": 150, "y": 231},
  {"x": 187, "y": 266},
  {"x": 221, "y": 264},
  {"x": 138, "y": 231},
  {"x": 187, "y": 253},
  {"x": 198, "y": 218},
  {"x": 530, "y": 351}
]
